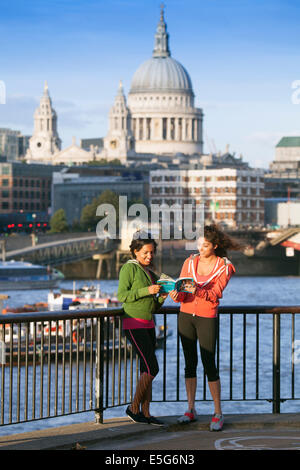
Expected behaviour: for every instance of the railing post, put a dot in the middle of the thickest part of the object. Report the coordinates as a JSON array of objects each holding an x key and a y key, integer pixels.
[
  {"x": 99, "y": 371},
  {"x": 276, "y": 363}
]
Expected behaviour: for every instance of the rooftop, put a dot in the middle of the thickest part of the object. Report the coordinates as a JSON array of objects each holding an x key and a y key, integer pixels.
[{"x": 289, "y": 142}]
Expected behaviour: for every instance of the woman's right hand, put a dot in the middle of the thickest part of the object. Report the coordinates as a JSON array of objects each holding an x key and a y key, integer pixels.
[{"x": 154, "y": 289}]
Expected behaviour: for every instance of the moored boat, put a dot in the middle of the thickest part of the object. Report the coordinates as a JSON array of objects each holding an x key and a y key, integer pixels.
[
  {"x": 20, "y": 275},
  {"x": 88, "y": 297}
]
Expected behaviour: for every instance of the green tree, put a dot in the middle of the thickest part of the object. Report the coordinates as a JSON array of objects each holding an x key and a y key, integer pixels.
[
  {"x": 58, "y": 222},
  {"x": 104, "y": 162},
  {"x": 89, "y": 219}
]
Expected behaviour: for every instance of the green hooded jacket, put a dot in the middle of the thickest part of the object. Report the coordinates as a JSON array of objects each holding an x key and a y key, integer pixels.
[{"x": 134, "y": 294}]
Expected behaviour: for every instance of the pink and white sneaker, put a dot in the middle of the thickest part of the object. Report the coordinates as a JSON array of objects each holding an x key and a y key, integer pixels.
[
  {"x": 217, "y": 422},
  {"x": 188, "y": 417}
]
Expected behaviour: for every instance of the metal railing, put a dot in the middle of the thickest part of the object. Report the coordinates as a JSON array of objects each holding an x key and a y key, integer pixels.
[{"x": 59, "y": 363}]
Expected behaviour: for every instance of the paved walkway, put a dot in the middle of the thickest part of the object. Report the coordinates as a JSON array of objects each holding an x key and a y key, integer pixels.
[{"x": 260, "y": 431}]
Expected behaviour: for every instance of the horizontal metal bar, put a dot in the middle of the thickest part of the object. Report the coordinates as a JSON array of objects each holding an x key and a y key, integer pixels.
[
  {"x": 59, "y": 315},
  {"x": 111, "y": 311}
]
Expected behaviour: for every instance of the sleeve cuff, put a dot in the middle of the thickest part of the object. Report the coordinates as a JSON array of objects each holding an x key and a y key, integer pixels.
[{"x": 143, "y": 292}]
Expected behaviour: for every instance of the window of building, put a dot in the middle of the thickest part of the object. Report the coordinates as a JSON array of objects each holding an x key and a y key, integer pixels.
[
  {"x": 172, "y": 129},
  {"x": 164, "y": 136},
  {"x": 5, "y": 170}
]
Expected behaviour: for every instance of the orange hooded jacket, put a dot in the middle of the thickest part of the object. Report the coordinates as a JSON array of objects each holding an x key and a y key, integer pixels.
[{"x": 205, "y": 301}]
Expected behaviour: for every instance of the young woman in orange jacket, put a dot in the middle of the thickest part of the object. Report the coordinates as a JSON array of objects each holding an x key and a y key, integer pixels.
[{"x": 211, "y": 271}]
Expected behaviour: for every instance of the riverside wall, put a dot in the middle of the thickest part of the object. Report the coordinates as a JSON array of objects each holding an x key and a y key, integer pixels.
[{"x": 271, "y": 262}]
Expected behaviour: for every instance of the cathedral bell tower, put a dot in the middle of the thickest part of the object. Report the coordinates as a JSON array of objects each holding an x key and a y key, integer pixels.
[
  {"x": 45, "y": 141},
  {"x": 119, "y": 141}
]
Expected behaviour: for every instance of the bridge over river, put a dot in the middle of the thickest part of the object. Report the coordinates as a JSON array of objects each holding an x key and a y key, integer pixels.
[{"x": 61, "y": 250}]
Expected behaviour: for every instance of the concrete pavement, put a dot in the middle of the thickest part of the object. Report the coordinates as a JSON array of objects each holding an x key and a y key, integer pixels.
[{"x": 259, "y": 431}]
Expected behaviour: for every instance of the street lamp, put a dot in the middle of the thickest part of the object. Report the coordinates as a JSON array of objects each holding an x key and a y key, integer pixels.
[{"x": 33, "y": 230}]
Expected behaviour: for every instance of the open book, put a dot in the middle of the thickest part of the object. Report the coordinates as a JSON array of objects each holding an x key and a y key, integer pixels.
[{"x": 182, "y": 284}]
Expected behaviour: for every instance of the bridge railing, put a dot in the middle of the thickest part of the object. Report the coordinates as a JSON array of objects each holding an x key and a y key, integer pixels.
[{"x": 60, "y": 363}]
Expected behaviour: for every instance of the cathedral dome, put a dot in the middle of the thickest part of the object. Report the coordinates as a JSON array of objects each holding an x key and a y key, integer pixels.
[{"x": 161, "y": 74}]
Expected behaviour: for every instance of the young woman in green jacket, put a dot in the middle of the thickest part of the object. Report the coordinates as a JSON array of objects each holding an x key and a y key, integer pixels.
[{"x": 139, "y": 293}]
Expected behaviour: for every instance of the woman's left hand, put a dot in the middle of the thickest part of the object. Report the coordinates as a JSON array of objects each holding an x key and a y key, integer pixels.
[{"x": 164, "y": 295}]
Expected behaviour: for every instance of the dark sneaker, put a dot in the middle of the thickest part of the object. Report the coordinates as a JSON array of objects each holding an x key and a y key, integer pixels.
[
  {"x": 138, "y": 417},
  {"x": 155, "y": 421}
]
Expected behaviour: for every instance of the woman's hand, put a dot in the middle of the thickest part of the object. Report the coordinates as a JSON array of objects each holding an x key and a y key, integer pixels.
[
  {"x": 174, "y": 295},
  {"x": 191, "y": 290},
  {"x": 164, "y": 295},
  {"x": 154, "y": 289}
]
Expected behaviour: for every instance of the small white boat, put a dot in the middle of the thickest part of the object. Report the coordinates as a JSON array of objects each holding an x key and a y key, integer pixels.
[{"x": 88, "y": 297}]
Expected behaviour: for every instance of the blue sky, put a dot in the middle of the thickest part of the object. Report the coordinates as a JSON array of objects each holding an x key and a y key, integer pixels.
[{"x": 242, "y": 57}]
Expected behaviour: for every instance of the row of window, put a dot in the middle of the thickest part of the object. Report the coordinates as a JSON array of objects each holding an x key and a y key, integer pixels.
[
  {"x": 187, "y": 179},
  {"x": 26, "y": 194},
  {"x": 190, "y": 191},
  {"x": 35, "y": 206},
  {"x": 247, "y": 203},
  {"x": 31, "y": 194},
  {"x": 33, "y": 183}
]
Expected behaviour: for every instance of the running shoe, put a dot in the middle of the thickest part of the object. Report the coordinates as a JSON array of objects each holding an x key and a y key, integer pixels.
[
  {"x": 136, "y": 417},
  {"x": 188, "y": 417},
  {"x": 155, "y": 421},
  {"x": 217, "y": 422}
]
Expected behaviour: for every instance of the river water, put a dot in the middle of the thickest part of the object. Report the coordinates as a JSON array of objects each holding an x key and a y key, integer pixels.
[{"x": 283, "y": 291}]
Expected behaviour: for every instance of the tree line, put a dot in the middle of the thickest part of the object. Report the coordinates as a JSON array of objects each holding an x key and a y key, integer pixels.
[{"x": 88, "y": 219}]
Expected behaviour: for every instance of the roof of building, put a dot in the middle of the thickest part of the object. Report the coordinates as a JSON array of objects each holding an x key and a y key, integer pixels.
[
  {"x": 161, "y": 74},
  {"x": 289, "y": 142}
]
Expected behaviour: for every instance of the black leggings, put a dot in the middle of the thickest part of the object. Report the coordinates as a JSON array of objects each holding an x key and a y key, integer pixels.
[
  {"x": 190, "y": 328},
  {"x": 143, "y": 341}
]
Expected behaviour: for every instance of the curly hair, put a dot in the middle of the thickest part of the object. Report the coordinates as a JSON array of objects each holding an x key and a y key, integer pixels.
[
  {"x": 224, "y": 242},
  {"x": 139, "y": 240}
]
